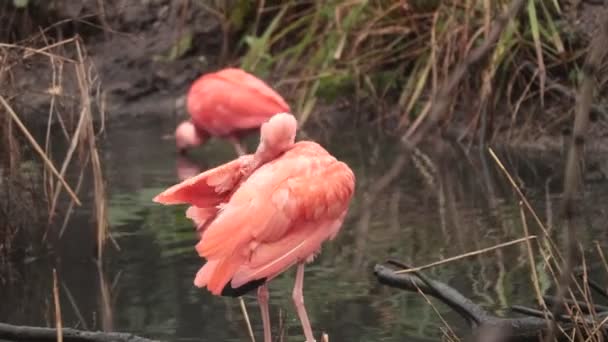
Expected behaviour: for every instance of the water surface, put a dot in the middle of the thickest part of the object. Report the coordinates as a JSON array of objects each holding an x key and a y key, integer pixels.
[{"x": 145, "y": 285}]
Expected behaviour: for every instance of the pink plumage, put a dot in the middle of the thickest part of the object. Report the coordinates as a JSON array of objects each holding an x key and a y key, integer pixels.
[
  {"x": 228, "y": 104},
  {"x": 263, "y": 213}
]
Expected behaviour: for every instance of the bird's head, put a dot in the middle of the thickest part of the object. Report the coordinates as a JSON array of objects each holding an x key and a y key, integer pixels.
[
  {"x": 188, "y": 136},
  {"x": 277, "y": 135}
]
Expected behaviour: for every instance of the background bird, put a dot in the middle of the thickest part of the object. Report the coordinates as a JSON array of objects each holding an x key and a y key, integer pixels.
[
  {"x": 229, "y": 104},
  {"x": 260, "y": 214}
]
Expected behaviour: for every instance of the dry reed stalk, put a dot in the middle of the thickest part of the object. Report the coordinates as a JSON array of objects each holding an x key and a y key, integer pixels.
[
  {"x": 602, "y": 256},
  {"x": 58, "y": 323},
  {"x": 39, "y": 150},
  {"x": 84, "y": 81},
  {"x": 596, "y": 330},
  {"x": 107, "y": 322},
  {"x": 573, "y": 172},
  {"x": 442, "y": 99},
  {"x": 533, "y": 272},
  {"x": 37, "y": 51},
  {"x": 451, "y": 335},
  {"x": 466, "y": 255},
  {"x": 74, "y": 305},
  {"x": 247, "y": 321},
  {"x": 524, "y": 199},
  {"x": 69, "y": 210},
  {"x": 76, "y": 137}
]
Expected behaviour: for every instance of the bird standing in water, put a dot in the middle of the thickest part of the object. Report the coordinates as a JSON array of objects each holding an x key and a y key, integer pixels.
[
  {"x": 260, "y": 214},
  {"x": 228, "y": 103}
]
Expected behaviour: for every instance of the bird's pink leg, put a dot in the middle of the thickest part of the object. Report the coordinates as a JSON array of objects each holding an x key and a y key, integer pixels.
[
  {"x": 298, "y": 299},
  {"x": 263, "y": 301},
  {"x": 238, "y": 147}
]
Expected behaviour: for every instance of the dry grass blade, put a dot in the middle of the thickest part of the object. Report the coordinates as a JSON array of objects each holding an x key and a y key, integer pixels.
[
  {"x": 534, "y": 25},
  {"x": 518, "y": 190},
  {"x": 450, "y": 335},
  {"x": 533, "y": 273},
  {"x": 70, "y": 209},
  {"x": 573, "y": 174},
  {"x": 442, "y": 99},
  {"x": 74, "y": 305},
  {"x": 84, "y": 83},
  {"x": 602, "y": 256},
  {"x": 596, "y": 330},
  {"x": 58, "y": 323},
  {"x": 467, "y": 255},
  {"x": 247, "y": 321},
  {"x": 38, "y": 149},
  {"x": 68, "y": 158},
  {"x": 42, "y": 51}
]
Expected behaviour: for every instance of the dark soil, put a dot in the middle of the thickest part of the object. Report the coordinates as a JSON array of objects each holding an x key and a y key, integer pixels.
[
  {"x": 128, "y": 47},
  {"x": 128, "y": 43}
]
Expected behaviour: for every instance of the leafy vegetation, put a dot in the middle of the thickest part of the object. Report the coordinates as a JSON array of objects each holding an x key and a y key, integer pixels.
[{"x": 393, "y": 54}]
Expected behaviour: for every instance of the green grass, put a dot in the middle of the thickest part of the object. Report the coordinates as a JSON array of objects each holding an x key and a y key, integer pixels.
[{"x": 393, "y": 54}]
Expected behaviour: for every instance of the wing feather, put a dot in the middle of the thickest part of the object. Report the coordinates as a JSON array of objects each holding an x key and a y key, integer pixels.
[{"x": 209, "y": 188}]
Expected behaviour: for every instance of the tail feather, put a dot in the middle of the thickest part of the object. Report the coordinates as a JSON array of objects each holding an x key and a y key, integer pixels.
[
  {"x": 223, "y": 273},
  {"x": 223, "y": 236},
  {"x": 232, "y": 229},
  {"x": 204, "y": 274},
  {"x": 270, "y": 259}
]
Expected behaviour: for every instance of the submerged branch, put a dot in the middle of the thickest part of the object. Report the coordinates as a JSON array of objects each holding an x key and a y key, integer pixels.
[
  {"x": 11, "y": 332},
  {"x": 483, "y": 323},
  {"x": 471, "y": 312}
]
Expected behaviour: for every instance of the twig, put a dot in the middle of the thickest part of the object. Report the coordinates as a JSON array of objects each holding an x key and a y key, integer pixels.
[
  {"x": 597, "y": 287},
  {"x": 530, "y": 311},
  {"x": 38, "y": 149},
  {"x": 466, "y": 255},
  {"x": 597, "y": 329},
  {"x": 37, "y": 51},
  {"x": 552, "y": 301}
]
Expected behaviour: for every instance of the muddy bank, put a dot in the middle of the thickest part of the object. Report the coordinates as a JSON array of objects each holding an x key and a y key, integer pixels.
[
  {"x": 144, "y": 54},
  {"x": 132, "y": 55}
]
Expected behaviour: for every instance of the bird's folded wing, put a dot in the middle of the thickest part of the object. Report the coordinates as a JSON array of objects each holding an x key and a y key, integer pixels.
[
  {"x": 295, "y": 208},
  {"x": 207, "y": 189}
]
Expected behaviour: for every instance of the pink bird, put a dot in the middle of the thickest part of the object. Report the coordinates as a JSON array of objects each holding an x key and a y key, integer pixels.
[
  {"x": 228, "y": 103},
  {"x": 260, "y": 214}
]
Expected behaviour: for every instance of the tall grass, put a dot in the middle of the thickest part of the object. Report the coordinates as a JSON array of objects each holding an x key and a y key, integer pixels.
[{"x": 393, "y": 54}]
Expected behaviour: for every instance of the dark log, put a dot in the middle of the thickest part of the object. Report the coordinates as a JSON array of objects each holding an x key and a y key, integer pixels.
[
  {"x": 9, "y": 332},
  {"x": 485, "y": 326}
]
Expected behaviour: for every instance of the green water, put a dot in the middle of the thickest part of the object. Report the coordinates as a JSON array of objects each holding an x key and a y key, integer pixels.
[{"x": 145, "y": 285}]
